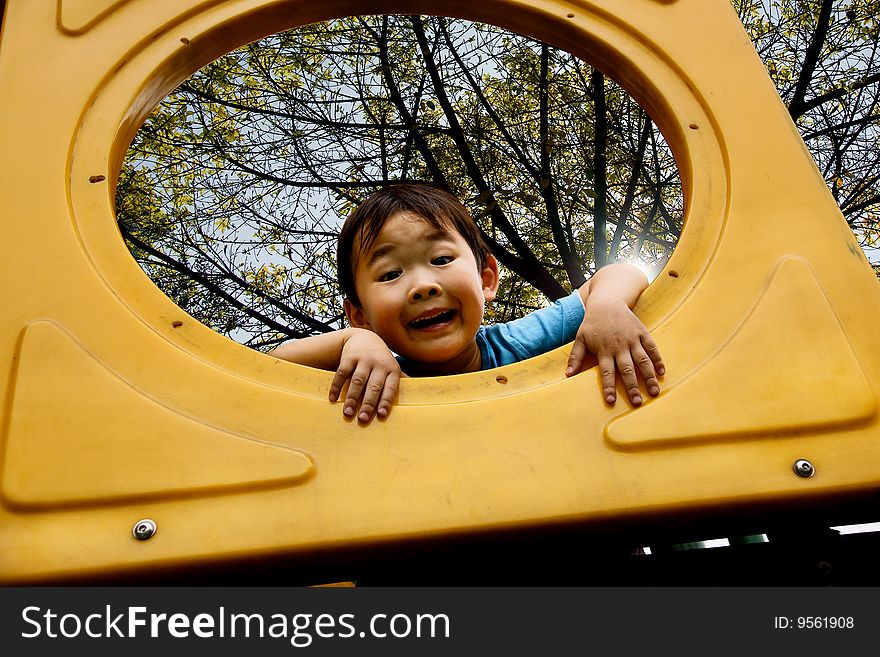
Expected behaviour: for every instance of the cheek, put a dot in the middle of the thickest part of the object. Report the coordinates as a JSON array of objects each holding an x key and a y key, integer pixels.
[
  {"x": 387, "y": 307},
  {"x": 470, "y": 284},
  {"x": 389, "y": 298}
]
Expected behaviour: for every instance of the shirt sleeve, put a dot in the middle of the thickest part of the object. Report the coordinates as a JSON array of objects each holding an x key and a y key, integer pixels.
[{"x": 532, "y": 335}]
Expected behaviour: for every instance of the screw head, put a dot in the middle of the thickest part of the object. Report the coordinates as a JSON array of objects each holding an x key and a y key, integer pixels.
[
  {"x": 143, "y": 529},
  {"x": 803, "y": 468}
]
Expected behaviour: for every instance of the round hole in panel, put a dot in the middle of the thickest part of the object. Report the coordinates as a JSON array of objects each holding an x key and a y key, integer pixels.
[
  {"x": 609, "y": 44},
  {"x": 233, "y": 191}
]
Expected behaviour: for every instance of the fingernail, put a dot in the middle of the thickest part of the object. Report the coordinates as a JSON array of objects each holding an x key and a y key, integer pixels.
[
  {"x": 569, "y": 371},
  {"x": 661, "y": 370},
  {"x": 383, "y": 412},
  {"x": 333, "y": 396},
  {"x": 654, "y": 390},
  {"x": 349, "y": 410},
  {"x": 637, "y": 400},
  {"x": 363, "y": 417},
  {"x": 609, "y": 399}
]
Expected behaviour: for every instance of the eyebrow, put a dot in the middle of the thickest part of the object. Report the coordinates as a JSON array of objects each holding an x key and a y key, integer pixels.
[{"x": 385, "y": 249}]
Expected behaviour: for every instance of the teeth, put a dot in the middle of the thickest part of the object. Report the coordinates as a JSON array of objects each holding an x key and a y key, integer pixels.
[{"x": 428, "y": 319}]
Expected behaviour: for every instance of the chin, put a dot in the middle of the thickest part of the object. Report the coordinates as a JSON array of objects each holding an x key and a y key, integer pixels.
[
  {"x": 435, "y": 356},
  {"x": 430, "y": 358}
]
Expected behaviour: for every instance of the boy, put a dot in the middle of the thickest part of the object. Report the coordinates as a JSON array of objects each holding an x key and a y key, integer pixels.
[{"x": 416, "y": 275}]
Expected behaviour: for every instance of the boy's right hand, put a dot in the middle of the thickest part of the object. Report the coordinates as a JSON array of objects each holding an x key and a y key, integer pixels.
[{"x": 373, "y": 375}]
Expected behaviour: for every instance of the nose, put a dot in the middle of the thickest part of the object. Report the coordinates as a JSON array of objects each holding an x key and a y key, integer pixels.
[{"x": 424, "y": 288}]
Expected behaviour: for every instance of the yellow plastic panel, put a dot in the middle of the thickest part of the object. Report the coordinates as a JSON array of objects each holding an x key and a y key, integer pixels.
[
  {"x": 51, "y": 461},
  {"x": 760, "y": 382},
  {"x": 77, "y": 16},
  {"x": 117, "y": 406}
]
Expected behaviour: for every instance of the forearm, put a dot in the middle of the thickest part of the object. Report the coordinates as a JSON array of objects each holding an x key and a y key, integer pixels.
[
  {"x": 615, "y": 282},
  {"x": 321, "y": 351}
]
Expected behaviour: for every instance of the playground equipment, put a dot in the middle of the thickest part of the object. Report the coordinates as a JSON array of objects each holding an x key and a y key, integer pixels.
[{"x": 118, "y": 407}]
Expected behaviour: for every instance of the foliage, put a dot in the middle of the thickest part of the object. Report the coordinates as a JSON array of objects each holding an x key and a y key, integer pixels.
[
  {"x": 235, "y": 187},
  {"x": 251, "y": 165}
]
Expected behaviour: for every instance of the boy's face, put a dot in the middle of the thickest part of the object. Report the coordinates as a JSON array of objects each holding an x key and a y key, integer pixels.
[{"x": 421, "y": 291}]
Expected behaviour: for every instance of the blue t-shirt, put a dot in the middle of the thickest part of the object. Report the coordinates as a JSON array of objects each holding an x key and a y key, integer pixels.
[{"x": 535, "y": 334}]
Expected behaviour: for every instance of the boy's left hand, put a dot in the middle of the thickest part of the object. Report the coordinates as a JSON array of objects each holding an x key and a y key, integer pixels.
[{"x": 621, "y": 343}]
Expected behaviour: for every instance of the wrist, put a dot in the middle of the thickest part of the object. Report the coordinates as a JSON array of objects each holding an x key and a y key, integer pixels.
[
  {"x": 363, "y": 338},
  {"x": 605, "y": 301},
  {"x": 617, "y": 282},
  {"x": 351, "y": 331}
]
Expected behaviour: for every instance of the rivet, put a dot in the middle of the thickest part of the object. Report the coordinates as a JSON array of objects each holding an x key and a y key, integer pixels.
[
  {"x": 143, "y": 529},
  {"x": 803, "y": 468}
]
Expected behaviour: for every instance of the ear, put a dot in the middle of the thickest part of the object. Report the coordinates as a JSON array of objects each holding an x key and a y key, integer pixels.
[
  {"x": 356, "y": 317},
  {"x": 489, "y": 277}
]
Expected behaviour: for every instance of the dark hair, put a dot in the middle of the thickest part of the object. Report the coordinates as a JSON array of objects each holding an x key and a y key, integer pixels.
[{"x": 438, "y": 207}]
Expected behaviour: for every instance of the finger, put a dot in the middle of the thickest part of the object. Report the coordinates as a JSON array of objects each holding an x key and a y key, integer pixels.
[
  {"x": 389, "y": 393},
  {"x": 339, "y": 378},
  {"x": 606, "y": 372},
  {"x": 653, "y": 352},
  {"x": 576, "y": 358},
  {"x": 355, "y": 389},
  {"x": 646, "y": 368},
  {"x": 372, "y": 392},
  {"x": 628, "y": 374}
]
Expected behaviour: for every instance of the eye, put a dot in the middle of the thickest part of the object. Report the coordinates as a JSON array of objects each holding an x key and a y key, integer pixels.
[
  {"x": 442, "y": 260},
  {"x": 389, "y": 276}
]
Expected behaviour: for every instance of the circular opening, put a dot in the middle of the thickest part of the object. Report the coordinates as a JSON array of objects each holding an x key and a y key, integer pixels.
[
  {"x": 233, "y": 191},
  {"x": 673, "y": 273},
  {"x": 501, "y": 379}
]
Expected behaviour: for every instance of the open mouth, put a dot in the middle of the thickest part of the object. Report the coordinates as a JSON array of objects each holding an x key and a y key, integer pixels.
[{"x": 433, "y": 319}]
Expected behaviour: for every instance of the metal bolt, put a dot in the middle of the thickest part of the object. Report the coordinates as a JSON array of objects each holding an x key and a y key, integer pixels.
[
  {"x": 143, "y": 529},
  {"x": 803, "y": 468}
]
